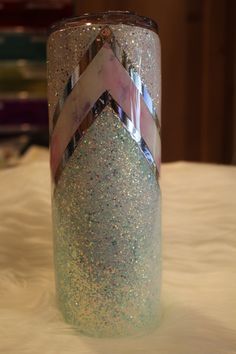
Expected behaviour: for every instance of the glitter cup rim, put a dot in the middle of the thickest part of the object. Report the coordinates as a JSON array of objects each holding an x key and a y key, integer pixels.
[{"x": 106, "y": 17}]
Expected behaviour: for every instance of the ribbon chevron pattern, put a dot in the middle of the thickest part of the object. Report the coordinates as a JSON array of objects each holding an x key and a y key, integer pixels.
[{"x": 102, "y": 80}]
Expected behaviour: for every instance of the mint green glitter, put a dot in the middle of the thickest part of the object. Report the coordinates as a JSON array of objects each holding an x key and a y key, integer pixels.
[{"x": 106, "y": 210}]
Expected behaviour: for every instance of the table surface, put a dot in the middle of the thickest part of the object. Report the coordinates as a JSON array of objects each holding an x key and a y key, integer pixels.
[{"x": 199, "y": 265}]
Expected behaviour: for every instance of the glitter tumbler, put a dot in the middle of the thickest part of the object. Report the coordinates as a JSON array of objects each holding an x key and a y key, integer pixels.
[{"x": 104, "y": 110}]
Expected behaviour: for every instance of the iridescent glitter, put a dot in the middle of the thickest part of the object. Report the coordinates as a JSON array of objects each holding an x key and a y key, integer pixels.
[
  {"x": 107, "y": 249},
  {"x": 106, "y": 203}
]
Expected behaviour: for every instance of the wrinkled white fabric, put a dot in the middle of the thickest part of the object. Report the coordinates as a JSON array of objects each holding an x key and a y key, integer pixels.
[{"x": 199, "y": 265}]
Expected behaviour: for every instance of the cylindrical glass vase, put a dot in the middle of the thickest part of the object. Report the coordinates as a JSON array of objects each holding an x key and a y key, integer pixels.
[{"x": 104, "y": 90}]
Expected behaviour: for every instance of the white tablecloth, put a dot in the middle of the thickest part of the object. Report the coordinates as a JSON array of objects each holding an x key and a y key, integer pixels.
[{"x": 199, "y": 265}]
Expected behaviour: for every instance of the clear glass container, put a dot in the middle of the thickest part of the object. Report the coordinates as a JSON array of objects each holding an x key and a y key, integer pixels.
[{"x": 104, "y": 93}]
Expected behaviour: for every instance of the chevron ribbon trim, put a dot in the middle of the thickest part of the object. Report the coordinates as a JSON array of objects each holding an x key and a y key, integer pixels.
[
  {"x": 105, "y": 36},
  {"x": 104, "y": 75},
  {"x": 104, "y": 101}
]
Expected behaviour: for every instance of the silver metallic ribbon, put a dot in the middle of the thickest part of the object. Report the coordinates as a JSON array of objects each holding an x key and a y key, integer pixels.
[
  {"x": 106, "y": 36},
  {"x": 104, "y": 101}
]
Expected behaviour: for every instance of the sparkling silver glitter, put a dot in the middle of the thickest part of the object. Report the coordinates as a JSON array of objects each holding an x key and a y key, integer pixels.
[{"x": 106, "y": 203}]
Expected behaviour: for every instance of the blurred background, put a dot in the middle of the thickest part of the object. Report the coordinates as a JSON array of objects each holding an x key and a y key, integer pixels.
[{"x": 198, "y": 74}]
